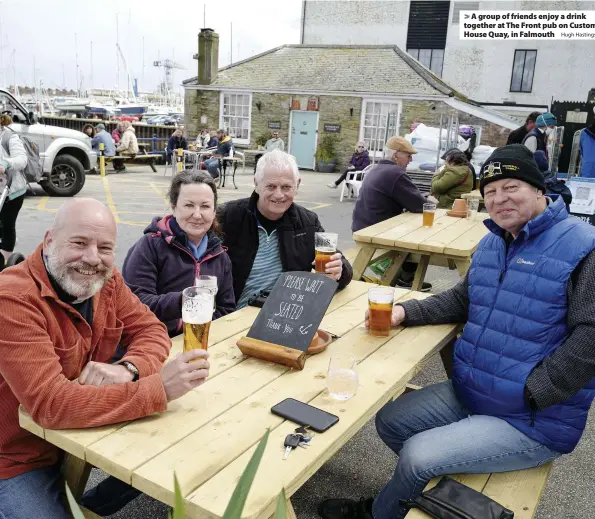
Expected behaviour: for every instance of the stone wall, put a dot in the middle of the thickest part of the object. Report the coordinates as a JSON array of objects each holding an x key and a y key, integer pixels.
[
  {"x": 421, "y": 111},
  {"x": 196, "y": 104},
  {"x": 273, "y": 107}
]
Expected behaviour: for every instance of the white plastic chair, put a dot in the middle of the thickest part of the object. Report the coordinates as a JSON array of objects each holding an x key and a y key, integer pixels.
[{"x": 351, "y": 184}]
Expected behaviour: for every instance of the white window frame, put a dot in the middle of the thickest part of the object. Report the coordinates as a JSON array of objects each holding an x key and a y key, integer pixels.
[
  {"x": 221, "y": 122},
  {"x": 386, "y": 100}
]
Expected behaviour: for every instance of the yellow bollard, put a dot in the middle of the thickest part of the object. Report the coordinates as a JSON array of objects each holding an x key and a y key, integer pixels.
[
  {"x": 101, "y": 159},
  {"x": 180, "y": 160}
]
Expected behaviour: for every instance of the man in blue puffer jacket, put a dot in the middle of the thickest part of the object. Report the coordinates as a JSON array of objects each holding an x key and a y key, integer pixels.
[{"x": 524, "y": 369}]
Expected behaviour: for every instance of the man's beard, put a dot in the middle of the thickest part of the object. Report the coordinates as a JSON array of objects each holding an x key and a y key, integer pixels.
[{"x": 61, "y": 273}]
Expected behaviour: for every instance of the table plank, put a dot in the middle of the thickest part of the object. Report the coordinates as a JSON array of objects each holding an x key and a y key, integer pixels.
[
  {"x": 381, "y": 374},
  {"x": 124, "y": 450},
  {"x": 466, "y": 244},
  {"x": 438, "y": 242},
  {"x": 412, "y": 241},
  {"x": 404, "y": 228},
  {"x": 27, "y": 423},
  {"x": 367, "y": 234},
  {"x": 219, "y": 441}
]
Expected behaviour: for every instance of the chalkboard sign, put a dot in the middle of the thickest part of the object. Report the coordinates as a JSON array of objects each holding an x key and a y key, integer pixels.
[
  {"x": 294, "y": 309},
  {"x": 332, "y": 128},
  {"x": 274, "y": 125}
]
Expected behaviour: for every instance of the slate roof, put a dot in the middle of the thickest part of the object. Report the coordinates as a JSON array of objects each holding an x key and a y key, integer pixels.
[{"x": 372, "y": 69}]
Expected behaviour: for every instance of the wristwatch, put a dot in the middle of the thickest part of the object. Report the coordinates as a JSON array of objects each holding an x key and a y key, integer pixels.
[{"x": 132, "y": 368}]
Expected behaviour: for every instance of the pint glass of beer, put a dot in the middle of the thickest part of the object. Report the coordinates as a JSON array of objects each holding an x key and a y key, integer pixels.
[
  {"x": 429, "y": 212},
  {"x": 325, "y": 244},
  {"x": 380, "y": 306},
  {"x": 197, "y": 314}
]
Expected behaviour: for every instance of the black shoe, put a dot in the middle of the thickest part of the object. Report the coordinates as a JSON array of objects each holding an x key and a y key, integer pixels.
[
  {"x": 346, "y": 509},
  {"x": 425, "y": 287}
]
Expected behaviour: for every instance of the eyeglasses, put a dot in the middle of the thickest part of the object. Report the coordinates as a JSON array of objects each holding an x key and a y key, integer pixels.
[
  {"x": 361, "y": 147},
  {"x": 285, "y": 188}
]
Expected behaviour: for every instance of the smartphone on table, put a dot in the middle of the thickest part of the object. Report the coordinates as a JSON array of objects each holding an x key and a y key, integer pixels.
[{"x": 305, "y": 414}]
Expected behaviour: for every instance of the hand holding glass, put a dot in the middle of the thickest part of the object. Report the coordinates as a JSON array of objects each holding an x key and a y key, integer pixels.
[
  {"x": 380, "y": 307},
  {"x": 325, "y": 244}
]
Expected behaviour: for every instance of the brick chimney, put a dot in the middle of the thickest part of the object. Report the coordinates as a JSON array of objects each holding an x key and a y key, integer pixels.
[{"x": 208, "y": 56}]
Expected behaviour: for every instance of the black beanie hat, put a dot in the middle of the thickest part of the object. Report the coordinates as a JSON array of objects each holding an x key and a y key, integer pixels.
[{"x": 512, "y": 161}]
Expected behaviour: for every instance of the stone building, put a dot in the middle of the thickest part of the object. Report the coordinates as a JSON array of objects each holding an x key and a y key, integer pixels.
[{"x": 307, "y": 92}]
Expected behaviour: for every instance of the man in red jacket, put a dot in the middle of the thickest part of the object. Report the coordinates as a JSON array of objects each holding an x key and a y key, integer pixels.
[{"x": 65, "y": 312}]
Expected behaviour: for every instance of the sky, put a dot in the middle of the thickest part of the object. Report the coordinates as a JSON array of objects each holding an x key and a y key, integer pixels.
[{"x": 40, "y": 35}]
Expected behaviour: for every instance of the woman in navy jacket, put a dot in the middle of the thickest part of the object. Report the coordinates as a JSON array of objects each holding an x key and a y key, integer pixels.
[{"x": 179, "y": 247}]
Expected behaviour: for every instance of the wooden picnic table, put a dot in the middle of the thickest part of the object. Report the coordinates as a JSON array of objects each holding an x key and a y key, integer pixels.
[
  {"x": 450, "y": 242},
  {"x": 208, "y": 436}
]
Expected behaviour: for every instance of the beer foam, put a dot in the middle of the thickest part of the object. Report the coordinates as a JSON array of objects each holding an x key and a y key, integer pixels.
[{"x": 198, "y": 310}]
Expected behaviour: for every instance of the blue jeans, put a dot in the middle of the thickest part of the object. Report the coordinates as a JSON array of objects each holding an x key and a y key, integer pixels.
[
  {"x": 212, "y": 167},
  {"x": 434, "y": 434},
  {"x": 38, "y": 493}
]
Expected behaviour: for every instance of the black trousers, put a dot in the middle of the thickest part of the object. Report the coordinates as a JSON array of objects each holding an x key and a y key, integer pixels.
[
  {"x": 256, "y": 159},
  {"x": 344, "y": 176},
  {"x": 8, "y": 220}
]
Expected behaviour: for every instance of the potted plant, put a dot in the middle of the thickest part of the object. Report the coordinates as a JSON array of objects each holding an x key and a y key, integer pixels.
[
  {"x": 262, "y": 139},
  {"x": 325, "y": 154}
]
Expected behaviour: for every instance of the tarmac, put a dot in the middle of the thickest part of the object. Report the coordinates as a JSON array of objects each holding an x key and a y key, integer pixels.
[{"x": 364, "y": 464}]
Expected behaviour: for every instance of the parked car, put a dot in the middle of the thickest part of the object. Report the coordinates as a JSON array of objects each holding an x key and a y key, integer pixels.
[
  {"x": 66, "y": 155},
  {"x": 157, "y": 119}
]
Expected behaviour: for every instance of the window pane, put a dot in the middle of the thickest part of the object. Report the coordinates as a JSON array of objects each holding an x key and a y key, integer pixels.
[
  {"x": 517, "y": 71},
  {"x": 529, "y": 70},
  {"x": 225, "y": 99},
  {"x": 437, "y": 59},
  {"x": 414, "y": 53},
  {"x": 425, "y": 57}
]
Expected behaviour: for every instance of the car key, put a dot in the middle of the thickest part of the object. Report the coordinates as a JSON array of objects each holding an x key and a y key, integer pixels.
[{"x": 291, "y": 442}]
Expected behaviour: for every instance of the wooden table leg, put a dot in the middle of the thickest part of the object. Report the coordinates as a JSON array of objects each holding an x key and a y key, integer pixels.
[
  {"x": 152, "y": 164},
  {"x": 389, "y": 278},
  {"x": 463, "y": 266},
  {"x": 361, "y": 261},
  {"x": 420, "y": 273},
  {"x": 447, "y": 356},
  {"x": 76, "y": 473},
  {"x": 233, "y": 178}
]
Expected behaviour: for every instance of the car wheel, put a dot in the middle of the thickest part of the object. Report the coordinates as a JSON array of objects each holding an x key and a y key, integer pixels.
[
  {"x": 67, "y": 177},
  {"x": 14, "y": 259}
]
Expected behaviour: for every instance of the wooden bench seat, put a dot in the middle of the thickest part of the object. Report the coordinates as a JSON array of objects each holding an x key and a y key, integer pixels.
[
  {"x": 519, "y": 490},
  {"x": 150, "y": 158}
]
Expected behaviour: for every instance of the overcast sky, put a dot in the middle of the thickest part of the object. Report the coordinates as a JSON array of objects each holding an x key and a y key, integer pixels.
[{"x": 44, "y": 31}]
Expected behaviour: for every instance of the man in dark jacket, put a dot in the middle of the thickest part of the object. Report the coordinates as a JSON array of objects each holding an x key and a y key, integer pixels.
[
  {"x": 386, "y": 192},
  {"x": 537, "y": 138},
  {"x": 176, "y": 141},
  {"x": 517, "y": 136},
  {"x": 524, "y": 371},
  {"x": 268, "y": 234}
]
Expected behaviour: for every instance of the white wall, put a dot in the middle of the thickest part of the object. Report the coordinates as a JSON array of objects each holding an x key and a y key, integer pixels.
[
  {"x": 356, "y": 23},
  {"x": 483, "y": 69},
  {"x": 480, "y": 69}
]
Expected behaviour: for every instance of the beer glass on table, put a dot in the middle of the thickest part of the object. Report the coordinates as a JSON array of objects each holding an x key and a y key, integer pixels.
[
  {"x": 197, "y": 314},
  {"x": 325, "y": 244},
  {"x": 380, "y": 307},
  {"x": 429, "y": 212}
]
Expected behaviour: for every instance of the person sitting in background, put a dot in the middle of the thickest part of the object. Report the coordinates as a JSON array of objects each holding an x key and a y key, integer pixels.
[
  {"x": 117, "y": 133},
  {"x": 223, "y": 148},
  {"x": 537, "y": 138},
  {"x": 553, "y": 186},
  {"x": 203, "y": 138},
  {"x": 65, "y": 312},
  {"x": 177, "y": 248},
  {"x": 272, "y": 144},
  {"x": 387, "y": 192},
  {"x": 213, "y": 141},
  {"x": 359, "y": 160},
  {"x": 127, "y": 146},
  {"x": 517, "y": 136},
  {"x": 176, "y": 141},
  {"x": 455, "y": 179},
  {"x": 88, "y": 130},
  {"x": 102, "y": 137},
  {"x": 268, "y": 233}
]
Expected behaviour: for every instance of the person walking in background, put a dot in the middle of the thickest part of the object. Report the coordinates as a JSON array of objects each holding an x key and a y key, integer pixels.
[
  {"x": 272, "y": 144},
  {"x": 359, "y": 160},
  {"x": 102, "y": 137},
  {"x": 176, "y": 141},
  {"x": 517, "y": 136},
  {"x": 455, "y": 179},
  {"x": 128, "y": 145},
  {"x": 537, "y": 138},
  {"x": 178, "y": 247},
  {"x": 13, "y": 161}
]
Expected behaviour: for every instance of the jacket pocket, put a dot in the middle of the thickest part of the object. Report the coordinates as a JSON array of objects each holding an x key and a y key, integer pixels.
[
  {"x": 108, "y": 342},
  {"x": 71, "y": 357}
]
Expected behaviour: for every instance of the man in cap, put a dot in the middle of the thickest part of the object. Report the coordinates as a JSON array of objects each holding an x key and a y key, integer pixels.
[
  {"x": 517, "y": 136},
  {"x": 386, "y": 192},
  {"x": 102, "y": 137},
  {"x": 523, "y": 373},
  {"x": 536, "y": 139}
]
